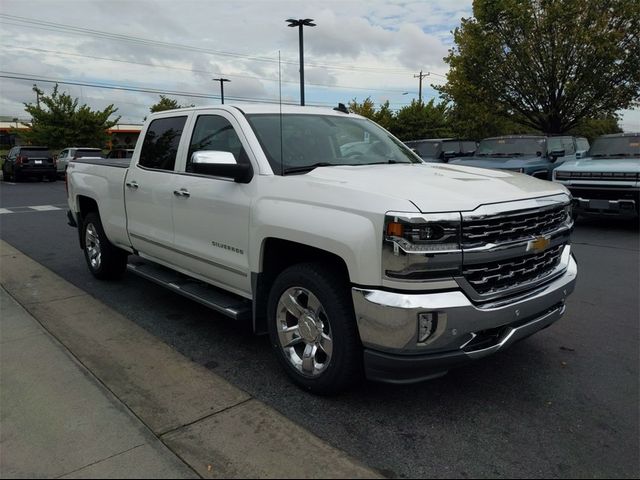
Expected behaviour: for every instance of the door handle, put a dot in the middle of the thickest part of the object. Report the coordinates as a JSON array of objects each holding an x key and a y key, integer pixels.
[
  {"x": 181, "y": 193},
  {"x": 133, "y": 184}
]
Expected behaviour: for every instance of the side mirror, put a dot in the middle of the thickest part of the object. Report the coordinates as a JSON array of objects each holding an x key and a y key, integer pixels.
[
  {"x": 554, "y": 154},
  {"x": 220, "y": 164}
]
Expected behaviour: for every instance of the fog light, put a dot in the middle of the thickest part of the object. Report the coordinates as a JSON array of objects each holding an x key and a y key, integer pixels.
[{"x": 427, "y": 324}]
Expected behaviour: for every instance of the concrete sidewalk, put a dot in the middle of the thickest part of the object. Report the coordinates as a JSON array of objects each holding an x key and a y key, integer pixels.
[
  {"x": 57, "y": 420},
  {"x": 87, "y": 392}
]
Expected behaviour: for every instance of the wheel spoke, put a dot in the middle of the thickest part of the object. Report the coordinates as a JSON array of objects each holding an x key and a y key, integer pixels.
[
  {"x": 314, "y": 304},
  {"x": 308, "y": 358},
  {"x": 291, "y": 304},
  {"x": 326, "y": 344},
  {"x": 290, "y": 336}
]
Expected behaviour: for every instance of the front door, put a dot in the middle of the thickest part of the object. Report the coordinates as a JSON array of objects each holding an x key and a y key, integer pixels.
[{"x": 211, "y": 218}]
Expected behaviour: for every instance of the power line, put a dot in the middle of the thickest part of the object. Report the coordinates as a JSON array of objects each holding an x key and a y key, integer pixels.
[
  {"x": 21, "y": 76},
  {"x": 267, "y": 79},
  {"x": 50, "y": 26}
]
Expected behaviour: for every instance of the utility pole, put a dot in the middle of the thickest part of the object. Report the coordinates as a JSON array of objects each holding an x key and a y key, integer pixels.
[
  {"x": 421, "y": 76},
  {"x": 35, "y": 89},
  {"x": 221, "y": 80}
]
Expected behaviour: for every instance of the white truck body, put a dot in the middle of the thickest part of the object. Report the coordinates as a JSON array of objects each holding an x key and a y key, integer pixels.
[{"x": 216, "y": 230}]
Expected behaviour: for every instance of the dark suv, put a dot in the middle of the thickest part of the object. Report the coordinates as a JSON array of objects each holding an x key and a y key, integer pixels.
[
  {"x": 27, "y": 161},
  {"x": 442, "y": 149}
]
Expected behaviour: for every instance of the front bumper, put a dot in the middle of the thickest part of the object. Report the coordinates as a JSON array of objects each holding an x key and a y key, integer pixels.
[{"x": 464, "y": 331}]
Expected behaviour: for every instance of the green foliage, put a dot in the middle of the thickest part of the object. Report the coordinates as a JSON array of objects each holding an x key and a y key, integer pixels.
[
  {"x": 594, "y": 127},
  {"x": 166, "y": 103},
  {"x": 367, "y": 108},
  {"x": 58, "y": 122},
  {"x": 422, "y": 120},
  {"x": 547, "y": 65}
]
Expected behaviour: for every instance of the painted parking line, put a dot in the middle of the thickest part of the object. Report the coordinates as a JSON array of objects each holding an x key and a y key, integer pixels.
[{"x": 32, "y": 208}]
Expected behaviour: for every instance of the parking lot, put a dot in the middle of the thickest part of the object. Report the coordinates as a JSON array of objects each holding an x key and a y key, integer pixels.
[{"x": 563, "y": 403}]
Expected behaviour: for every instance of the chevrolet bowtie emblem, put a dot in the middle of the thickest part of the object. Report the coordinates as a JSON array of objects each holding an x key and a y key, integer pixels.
[{"x": 538, "y": 245}]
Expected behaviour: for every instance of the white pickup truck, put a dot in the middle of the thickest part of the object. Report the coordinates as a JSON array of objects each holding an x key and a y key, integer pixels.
[{"x": 355, "y": 260}]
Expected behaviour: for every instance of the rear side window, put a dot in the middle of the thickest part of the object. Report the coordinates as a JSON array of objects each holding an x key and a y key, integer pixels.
[{"x": 161, "y": 142}]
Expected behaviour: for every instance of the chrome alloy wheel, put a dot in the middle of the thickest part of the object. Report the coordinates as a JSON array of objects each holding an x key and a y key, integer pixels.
[
  {"x": 304, "y": 331},
  {"x": 92, "y": 245}
]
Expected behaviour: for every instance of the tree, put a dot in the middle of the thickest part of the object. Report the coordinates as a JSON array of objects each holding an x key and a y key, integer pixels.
[
  {"x": 166, "y": 103},
  {"x": 548, "y": 65},
  {"x": 592, "y": 128},
  {"x": 367, "y": 108},
  {"x": 58, "y": 122},
  {"x": 422, "y": 120}
]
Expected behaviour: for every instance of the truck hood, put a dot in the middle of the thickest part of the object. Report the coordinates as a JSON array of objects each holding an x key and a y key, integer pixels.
[
  {"x": 502, "y": 162},
  {"x": 437, "y": 187},
  {"x": 589, "y": 164}
]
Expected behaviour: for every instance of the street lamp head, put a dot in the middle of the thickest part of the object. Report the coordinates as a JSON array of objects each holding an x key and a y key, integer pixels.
[{"x": 307, "y": 22}]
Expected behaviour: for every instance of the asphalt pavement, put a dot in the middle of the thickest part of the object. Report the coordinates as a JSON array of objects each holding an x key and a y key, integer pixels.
[{"x": 563, "y": 403}]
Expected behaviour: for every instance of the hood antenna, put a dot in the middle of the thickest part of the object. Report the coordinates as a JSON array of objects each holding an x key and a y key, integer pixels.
[{"x": 280, "y": 102}]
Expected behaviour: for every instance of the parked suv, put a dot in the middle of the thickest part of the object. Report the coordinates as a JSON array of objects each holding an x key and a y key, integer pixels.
[
  {"x": 442, "y": 149},
  {"x": 28, "y": 161},
  {"x": 535, "y": 155},
  {"x": 71, "y": 153},
  {"x": 607, "y": 180}
]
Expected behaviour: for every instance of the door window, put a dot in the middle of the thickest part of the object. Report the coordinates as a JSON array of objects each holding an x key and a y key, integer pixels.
[
  {"x": 213, "y": 132},
  {"x": 161, "y": 142}
]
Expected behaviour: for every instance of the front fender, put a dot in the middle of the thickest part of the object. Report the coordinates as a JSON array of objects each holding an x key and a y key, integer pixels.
[{"x": 354, "y": 237}]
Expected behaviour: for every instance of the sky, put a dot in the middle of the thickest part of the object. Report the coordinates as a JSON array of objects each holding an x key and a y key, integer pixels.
[{"x": 139, "y": 49}]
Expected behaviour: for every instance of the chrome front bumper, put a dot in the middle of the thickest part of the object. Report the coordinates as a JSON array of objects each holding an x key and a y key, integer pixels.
[{"x": 388, "y": 326}]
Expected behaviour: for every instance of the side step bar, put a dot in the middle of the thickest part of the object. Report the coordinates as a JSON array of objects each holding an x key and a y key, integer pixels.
[{"x": 217, "y": 299}]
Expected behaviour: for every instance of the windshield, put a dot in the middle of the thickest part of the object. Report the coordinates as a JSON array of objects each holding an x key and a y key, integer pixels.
[
  {"x": 509, "y": 147},
  {"x": 628, "y": 146},
  {"x": 325, "y": 140},
  {"x": 425, "y": 149}
]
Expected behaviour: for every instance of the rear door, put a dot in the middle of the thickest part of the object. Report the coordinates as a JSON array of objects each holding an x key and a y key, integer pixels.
[{"x": 149, "y": 187}]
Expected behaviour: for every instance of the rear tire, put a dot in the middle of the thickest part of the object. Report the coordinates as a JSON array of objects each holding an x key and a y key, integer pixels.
[
  {"x": 6, "y": 176},
  {"x": 105, "y": 261},
  {"x": 312, "y": 328}
]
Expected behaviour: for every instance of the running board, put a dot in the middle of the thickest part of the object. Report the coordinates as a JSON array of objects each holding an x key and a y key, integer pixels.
[{"x": 217, "y": 299}]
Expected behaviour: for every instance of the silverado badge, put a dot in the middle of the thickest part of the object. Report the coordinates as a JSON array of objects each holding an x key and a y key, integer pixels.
[{"x": 539, "y": 244}]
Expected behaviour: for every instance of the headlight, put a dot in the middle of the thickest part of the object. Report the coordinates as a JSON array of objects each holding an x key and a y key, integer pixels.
[{"x": 421, "y": 247}]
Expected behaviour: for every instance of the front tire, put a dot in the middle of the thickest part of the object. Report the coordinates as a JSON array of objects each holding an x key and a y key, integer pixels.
[
  {"x": 312, "y": 328},
  {"x": 105, "y": 261}
]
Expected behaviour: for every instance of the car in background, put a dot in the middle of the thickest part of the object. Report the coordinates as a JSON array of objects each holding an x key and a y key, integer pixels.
[
  {"x": 442, "y": 149},
  {"x": 71, "y": 153},
  {"x": 535, "y": 155},
  {"x": 120, "y": 153},
  {"x": 29, "y": 161},
  {"x": 607, "y": 180}
]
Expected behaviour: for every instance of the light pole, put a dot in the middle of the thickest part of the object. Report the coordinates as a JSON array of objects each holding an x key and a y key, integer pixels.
[
  {"x": 306, "y": 22},
  {"x": 221, "y": 80}
]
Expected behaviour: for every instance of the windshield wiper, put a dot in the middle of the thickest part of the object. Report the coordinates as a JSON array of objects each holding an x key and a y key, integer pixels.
[{"x": 308, "y": 168}]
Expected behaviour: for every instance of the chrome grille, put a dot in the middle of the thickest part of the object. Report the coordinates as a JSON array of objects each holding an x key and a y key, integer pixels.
[
  {"x": 493, "y": 277},
  {"x": 512, "y": 227}
]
